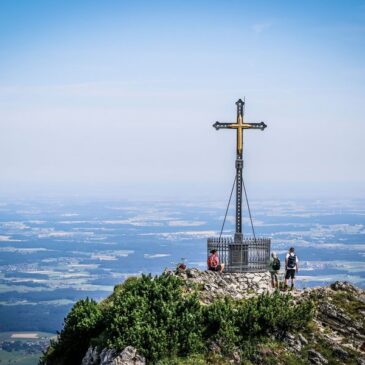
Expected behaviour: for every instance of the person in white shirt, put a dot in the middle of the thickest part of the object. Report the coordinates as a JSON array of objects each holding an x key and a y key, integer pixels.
[{"x": 291, "y": 267}]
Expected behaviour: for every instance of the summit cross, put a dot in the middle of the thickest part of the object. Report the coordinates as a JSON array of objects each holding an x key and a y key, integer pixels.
[{"x": 240, "y": 125}]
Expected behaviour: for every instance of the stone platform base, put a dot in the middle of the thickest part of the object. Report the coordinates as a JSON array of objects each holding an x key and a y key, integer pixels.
[{"x": 236, "y": 285}]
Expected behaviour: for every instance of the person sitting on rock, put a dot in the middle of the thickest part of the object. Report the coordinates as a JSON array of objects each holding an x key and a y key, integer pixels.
[
  {"x": 213, "y": 262},
  {"x": 274, "y": 269},
  {"x": 181, "y": 266},
  {"x": 291, "y": 267}
]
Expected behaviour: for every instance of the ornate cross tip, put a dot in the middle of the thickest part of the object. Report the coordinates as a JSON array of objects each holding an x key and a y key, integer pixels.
[
  {"x": 263, "y": 126},
  {"x": 216, "y": 125}
]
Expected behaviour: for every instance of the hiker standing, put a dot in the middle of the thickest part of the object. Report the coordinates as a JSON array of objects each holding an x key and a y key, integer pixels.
[
  {"x": 274, "y": 269},
  {"x": 213, "y": 262},
  {"x": 291, "y": 267}
]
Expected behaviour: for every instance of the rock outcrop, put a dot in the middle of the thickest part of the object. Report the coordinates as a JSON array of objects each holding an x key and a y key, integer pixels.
[
  {"x": 316, "y": 358},
  {"x": 128, "y": 356},
  {"x": 213, "y": 285},
  {"x": 339, "y": 322}
]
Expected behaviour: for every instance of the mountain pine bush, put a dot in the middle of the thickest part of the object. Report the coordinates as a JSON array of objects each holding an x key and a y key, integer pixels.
[
  {"x": 152, "y": 315},
  {"x": 158, "y": 317},
  {"x": 84, "y": 322}
]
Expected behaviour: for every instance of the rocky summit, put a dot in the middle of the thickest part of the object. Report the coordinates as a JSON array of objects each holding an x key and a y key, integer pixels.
[
  {"x": 213, "y": 285},
  {"x": 235, "y": 318}
]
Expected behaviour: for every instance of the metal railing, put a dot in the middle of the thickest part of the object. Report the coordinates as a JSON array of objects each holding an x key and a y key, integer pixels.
[{"x": 252, "y": 255}]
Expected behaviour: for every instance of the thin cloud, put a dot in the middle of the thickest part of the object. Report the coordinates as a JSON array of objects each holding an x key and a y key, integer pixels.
[{"x": 261, "y": 27}]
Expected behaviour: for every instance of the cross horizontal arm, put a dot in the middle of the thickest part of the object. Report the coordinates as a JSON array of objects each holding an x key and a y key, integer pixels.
[
  {"x": 218, "y": 125},
  {"x": 261, "y": 125}
]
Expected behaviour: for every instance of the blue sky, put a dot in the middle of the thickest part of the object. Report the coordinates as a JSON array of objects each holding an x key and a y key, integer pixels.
[{"x": 120, "y": 96}]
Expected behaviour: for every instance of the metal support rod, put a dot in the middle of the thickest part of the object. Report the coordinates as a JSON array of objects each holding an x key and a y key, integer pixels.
[{"x": 229, "y": 203}]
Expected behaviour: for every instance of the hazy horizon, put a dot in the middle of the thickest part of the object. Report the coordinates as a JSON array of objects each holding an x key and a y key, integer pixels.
[{"x": 198, "y": 192}]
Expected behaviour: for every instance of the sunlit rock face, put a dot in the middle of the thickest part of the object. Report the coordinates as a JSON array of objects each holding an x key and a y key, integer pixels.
[
  {"x": 212, "y": 285},
  {"x": 128, "y": 356}
]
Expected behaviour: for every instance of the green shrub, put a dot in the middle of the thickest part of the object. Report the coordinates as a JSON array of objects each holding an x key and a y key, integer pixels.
[
  {"x": 275, "y": 313},
  {"x": 164, "y": 322},
  {"x": 220, "y": 320},
  {"x": 152, "y": 315},
  {"x": 84, "y": 321},
  {"x": 239, "y": 325}
]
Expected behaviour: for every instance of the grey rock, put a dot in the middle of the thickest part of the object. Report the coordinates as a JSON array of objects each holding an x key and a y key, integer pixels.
[
  {"x": 297, "y": 346},
  {"x": 290, "y": 340},
  {"x": 91, "y": 357},
  {"x": 235, "y": 358},
  {"x": 338, "y": 320},
  {"x": 362, "y": 347},
  {"x": 316, "y": 358},
  {"x": 221, "y": 283},
  {"x": 214, "y": 347},
  {"x": 290, "y": 336},
  {"x": 344, "y": 286},
  {"x": 128, "y": 356},
  {"x": 208, "y": 287},
  {"x": 302, "y": 339},
  {"x": 340, "y": 352},
  {"x": 191, "y": 273},
  {"x": 183, "y": 275},
  {"x": 361, "y": 298},
  {"x": 235, "y": 285},
  {"x": 107, "y": 356}
]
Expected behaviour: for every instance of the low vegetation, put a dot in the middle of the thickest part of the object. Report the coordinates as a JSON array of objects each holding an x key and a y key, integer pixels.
[{"x": 170, "y": 326}]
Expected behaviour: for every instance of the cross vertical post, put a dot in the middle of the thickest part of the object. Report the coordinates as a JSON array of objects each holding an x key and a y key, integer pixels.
[
  {"x": 238, "y": 236},
  {"x": 240, "y": 125}
]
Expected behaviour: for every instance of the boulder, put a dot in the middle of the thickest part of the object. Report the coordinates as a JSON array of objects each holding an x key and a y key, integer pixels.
[
  {"x": 235, "y": 358},
  {"x": 340, "y": 352},
  {"x": 107, "y": 357},
  {"x": 91, "y": 357},
  {"x": 302, "y": 339},
  {"x": 128, "y": 356},
  {"x": 316, "y": 358},
  {"x": 344, "y": 286}
]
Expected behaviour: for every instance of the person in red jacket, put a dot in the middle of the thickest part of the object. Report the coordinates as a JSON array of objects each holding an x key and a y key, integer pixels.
[{"x": 213, "y": 262}]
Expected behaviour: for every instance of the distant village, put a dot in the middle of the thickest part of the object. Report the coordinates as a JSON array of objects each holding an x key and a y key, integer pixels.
[{"x": 34, "y": 346}]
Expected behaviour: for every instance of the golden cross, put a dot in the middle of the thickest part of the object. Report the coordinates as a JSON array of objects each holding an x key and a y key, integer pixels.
[{"x": 240, "y": 125}]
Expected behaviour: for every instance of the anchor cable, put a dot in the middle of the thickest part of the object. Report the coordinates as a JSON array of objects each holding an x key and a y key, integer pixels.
[
  {"x": 229, "y": 202},
  {"x": 249, "y": 210}
]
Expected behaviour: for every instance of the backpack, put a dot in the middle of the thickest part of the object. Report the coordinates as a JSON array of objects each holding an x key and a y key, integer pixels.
[
  {"x": 276, "y": 264},
  {"x": 292, "y": 261}
]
